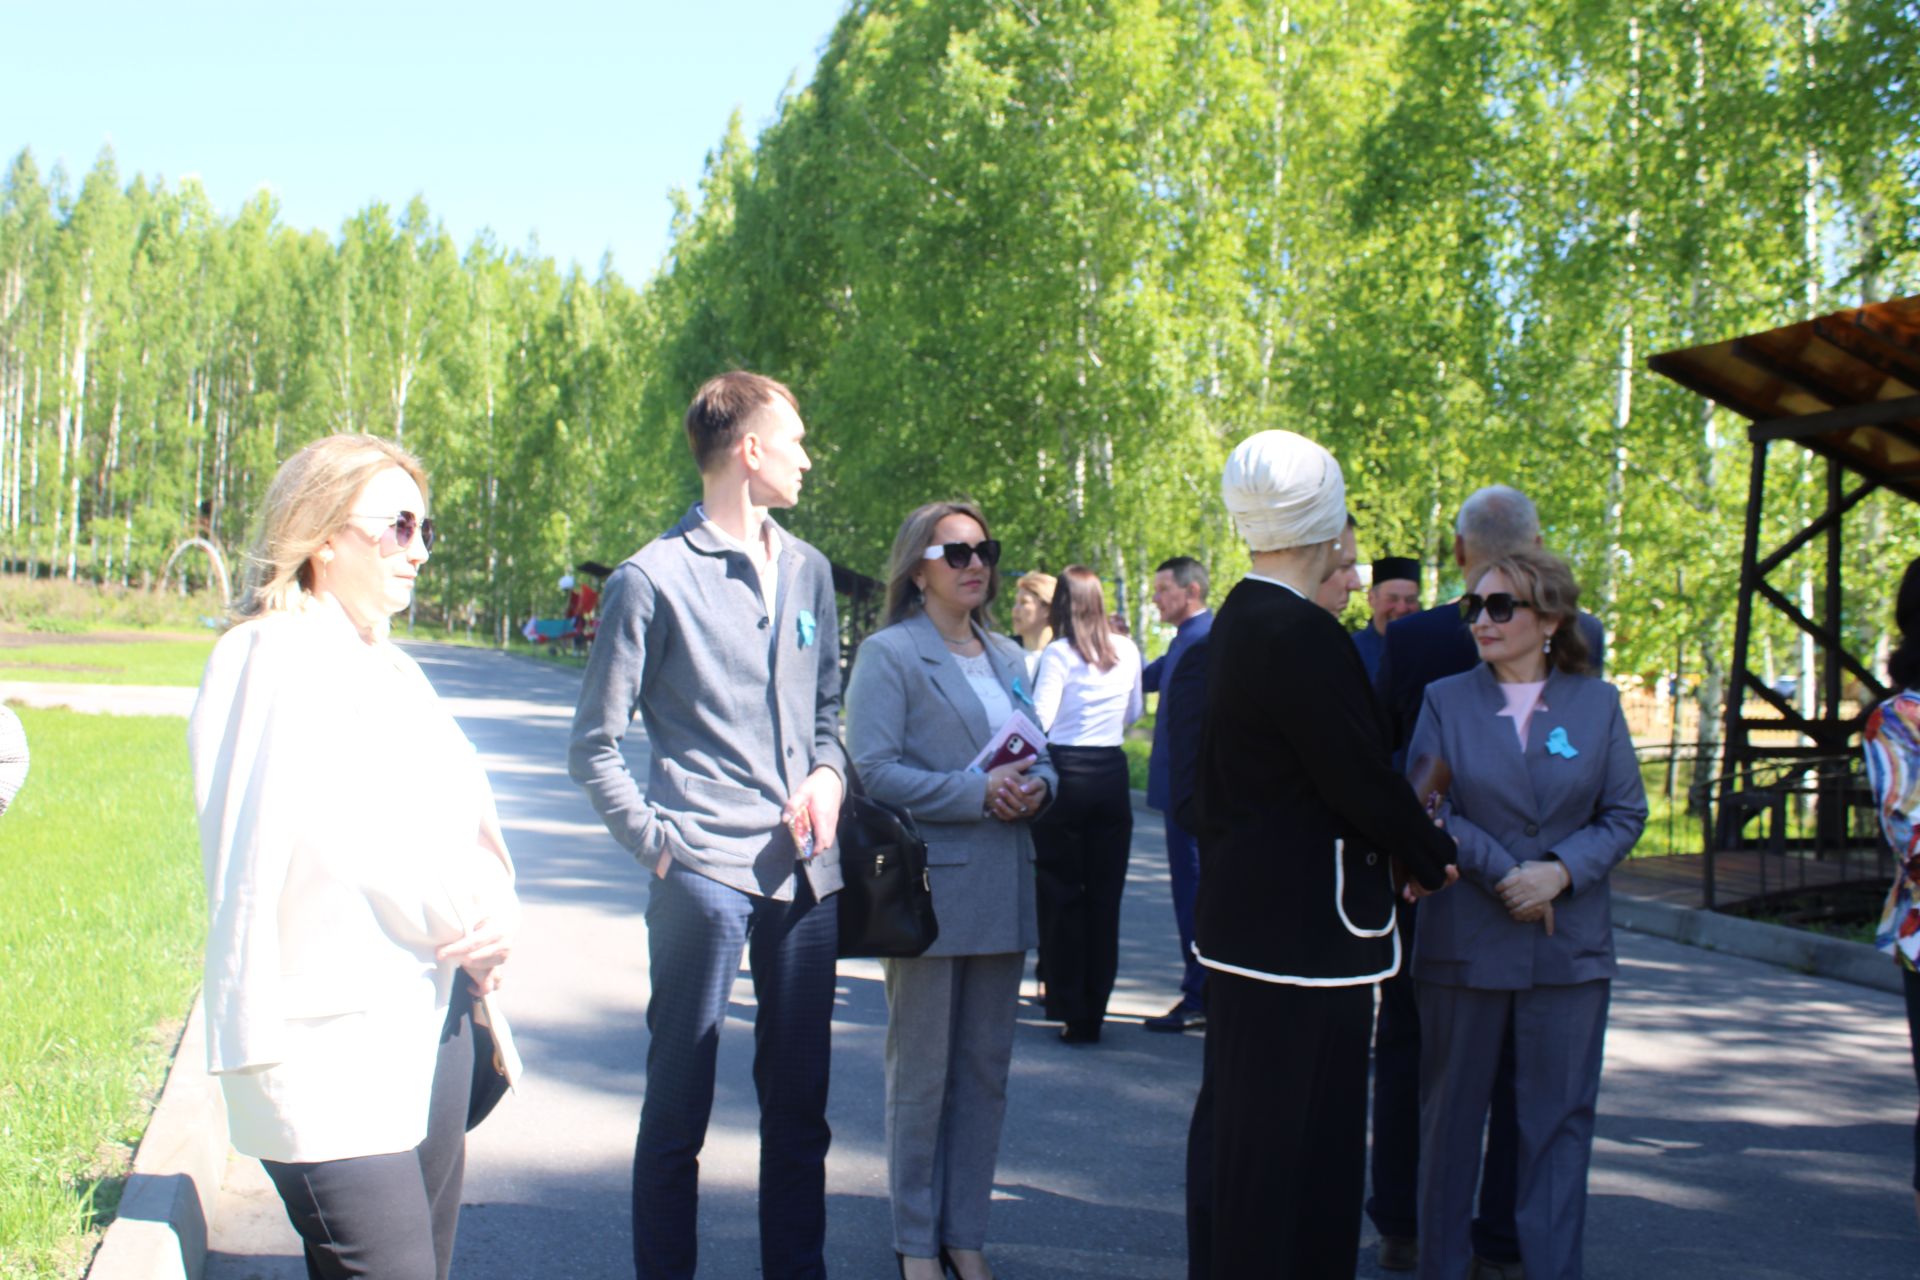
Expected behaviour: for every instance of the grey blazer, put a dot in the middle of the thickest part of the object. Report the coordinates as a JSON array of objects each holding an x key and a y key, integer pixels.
[
  {"x": 740, "y": 704},
  {"x": 1508, "y": 807},
  {"x": 913, "y": 725}
]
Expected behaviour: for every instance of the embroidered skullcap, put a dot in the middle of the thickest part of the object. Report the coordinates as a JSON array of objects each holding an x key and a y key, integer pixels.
[
  {"x": 1283, "y": 490},
  {"x": 13, "y": 757}
]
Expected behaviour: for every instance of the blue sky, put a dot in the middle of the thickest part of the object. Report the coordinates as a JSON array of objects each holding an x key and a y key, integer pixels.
[{"x": 568, "y": 119}]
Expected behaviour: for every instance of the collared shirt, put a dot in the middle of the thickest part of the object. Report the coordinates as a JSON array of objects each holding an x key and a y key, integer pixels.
[{"x": 768, "y": 568}]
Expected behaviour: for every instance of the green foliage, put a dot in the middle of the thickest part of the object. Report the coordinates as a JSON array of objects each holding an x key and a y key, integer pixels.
[
  {"x": 1057, "y": 257},
  {"x": 100, "y": 933},
  {"x": 151, "y": 660}
]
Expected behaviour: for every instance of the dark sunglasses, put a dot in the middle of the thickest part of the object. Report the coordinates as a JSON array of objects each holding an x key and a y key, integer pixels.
[
  {"x": 404, "y": 526},
  {"x": 1499, "y": 607},
  {"x": 959, "y": 554}
]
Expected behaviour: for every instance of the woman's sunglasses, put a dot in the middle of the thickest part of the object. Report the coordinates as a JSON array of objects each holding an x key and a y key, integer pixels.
[
  {"x": 1499, "y": 607},
  {"x": 404, "y": 526},
  {"x": 959, "y": 554}
]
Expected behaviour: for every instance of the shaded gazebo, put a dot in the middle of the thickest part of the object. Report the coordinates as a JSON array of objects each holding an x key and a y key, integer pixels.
[{"x": 1844, "y": 387}]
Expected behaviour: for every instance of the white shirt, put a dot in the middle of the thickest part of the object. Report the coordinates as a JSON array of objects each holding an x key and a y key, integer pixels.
[
  {"x": 765, "y": 559},
  {"x": 1080, "y": 706}
]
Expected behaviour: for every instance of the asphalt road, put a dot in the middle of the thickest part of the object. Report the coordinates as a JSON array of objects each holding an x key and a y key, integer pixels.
[{"x": 1755, "y": 1123}]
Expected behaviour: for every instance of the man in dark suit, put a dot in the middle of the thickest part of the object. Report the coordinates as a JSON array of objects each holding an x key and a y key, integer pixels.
[
  {"x": 1417, "y": 650},
  {"x": 1180, "y": 593}
]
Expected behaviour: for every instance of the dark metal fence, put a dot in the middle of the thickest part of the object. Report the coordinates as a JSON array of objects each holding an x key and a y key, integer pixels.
[{"x": 1784, "y": 828}]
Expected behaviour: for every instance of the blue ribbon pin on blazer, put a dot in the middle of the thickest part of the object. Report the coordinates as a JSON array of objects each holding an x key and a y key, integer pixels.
[
  {"x": 1558, "y": 745},
  {"x": 807, "y": 627},
  {"x": 1020, "y": 691}
]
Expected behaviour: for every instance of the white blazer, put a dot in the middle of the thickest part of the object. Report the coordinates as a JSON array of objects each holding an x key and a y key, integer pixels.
[{"x": 347, "y": 831}]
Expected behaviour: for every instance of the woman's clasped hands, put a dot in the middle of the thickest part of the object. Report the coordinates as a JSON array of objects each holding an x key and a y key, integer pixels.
[
  {"x": 1529, "y": 889},
  {"x": 1010, "y": 795}
]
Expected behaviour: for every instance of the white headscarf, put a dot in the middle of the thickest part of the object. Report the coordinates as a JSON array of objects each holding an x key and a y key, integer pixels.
[{"x": 1283, "y": 490}]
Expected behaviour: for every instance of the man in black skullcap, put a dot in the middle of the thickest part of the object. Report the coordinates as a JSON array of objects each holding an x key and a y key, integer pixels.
[{"x": 1395, "y": 593}]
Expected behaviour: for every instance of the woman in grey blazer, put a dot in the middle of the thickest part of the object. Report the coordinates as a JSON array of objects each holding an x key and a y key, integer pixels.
[
  {"x": 1546, "y": 798},
  {"x": 927, "y": 692}
]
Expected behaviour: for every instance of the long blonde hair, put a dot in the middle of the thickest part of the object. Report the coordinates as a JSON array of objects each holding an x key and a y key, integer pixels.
[{"x": 308, "y": 502}]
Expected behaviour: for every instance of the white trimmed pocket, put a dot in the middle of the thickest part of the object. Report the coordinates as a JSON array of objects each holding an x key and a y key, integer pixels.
[{"x": 1340, "y": 898}]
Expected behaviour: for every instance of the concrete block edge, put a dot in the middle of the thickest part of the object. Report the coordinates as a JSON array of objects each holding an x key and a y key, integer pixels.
[
  {"x": 165, "y": 1217},
  {"x": 1796, "y": 949}
]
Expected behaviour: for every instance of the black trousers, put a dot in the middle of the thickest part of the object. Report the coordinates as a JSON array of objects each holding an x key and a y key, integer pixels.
[
  {"x": 1910, "y": 983},
  {"x": 391, "y": 1216},
  {"x": 1080, "y": 863},
  {"x": 1395, "y": 1165},
  {"x": 1288, "y": 1077}
]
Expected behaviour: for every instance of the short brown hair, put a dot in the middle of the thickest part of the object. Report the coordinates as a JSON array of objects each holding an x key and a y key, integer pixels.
[
  {"x": 1548, "y": 582},
  {"x": 721, "y": 405},
  {"x": 1079, "y": 616}
]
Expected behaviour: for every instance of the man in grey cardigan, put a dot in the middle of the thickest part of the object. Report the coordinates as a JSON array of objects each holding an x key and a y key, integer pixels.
[{"x": 722, "y": 635}]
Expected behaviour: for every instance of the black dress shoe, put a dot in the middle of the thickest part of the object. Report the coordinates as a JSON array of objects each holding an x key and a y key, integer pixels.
[
  {"x": 1081, "y": 1031},
  {"x": 1182, "y": 1017},
  {"x": 1399, "y": 1253}
]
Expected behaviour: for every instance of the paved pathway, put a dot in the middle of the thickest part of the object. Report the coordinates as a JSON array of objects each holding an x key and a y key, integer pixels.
[
  {"x": 1755, "y": 1123},
  {"x": 101, "y": 699}
]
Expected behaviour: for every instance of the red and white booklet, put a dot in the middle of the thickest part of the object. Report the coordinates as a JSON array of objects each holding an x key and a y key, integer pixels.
[{"x": 1019, "y": 739}]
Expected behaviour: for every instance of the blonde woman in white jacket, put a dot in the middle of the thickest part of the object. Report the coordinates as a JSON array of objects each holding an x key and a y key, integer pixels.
[{"x": 355, "y": 868}]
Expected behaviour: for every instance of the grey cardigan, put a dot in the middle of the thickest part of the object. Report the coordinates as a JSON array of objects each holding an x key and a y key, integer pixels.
[
  {"x": 1507, "y": 807},
  {"x": 913, "y": 725},
  {"x": 738, "y": 706}
]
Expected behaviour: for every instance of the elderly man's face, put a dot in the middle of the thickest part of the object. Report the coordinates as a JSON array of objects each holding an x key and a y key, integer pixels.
[
  {"x": 1344, "y": 580},
  {"x": 1392, "y": 600}
]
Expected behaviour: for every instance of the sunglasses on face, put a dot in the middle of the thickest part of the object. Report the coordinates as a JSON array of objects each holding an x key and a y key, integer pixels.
[
  {"x": 404, "y": 525},
  {"x": 959, "y": 555},
  {"x": 1499, "y": 607}
]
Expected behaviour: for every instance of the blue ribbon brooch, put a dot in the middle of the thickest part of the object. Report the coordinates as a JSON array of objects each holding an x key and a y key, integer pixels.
[
  {"x": 1558, "y": 745},
  {"x": 808, "y": 627},
  {"x": 1020, "y": 691}
]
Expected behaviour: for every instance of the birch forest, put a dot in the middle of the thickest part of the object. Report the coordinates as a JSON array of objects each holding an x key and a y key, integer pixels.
[{"x": 1058, "y": 256}]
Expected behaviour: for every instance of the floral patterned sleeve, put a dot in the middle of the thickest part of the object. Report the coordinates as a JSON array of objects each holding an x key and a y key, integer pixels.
[{"x": 1892, "y": 746}]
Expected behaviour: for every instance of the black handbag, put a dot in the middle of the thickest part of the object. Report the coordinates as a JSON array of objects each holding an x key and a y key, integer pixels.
[{"x": 886, "y": 906}]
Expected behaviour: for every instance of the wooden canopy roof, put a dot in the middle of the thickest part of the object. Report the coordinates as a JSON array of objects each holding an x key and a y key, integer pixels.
[{"x": 1846, "y": 385}]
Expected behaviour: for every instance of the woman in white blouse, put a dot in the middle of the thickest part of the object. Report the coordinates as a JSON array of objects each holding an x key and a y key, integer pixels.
[
  {"x": 1087, "y": 692},
  {"x": 355, "y": 867}
]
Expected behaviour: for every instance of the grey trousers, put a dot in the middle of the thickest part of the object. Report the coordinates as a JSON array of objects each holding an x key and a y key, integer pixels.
[
  {"x": 949, "y": 1045},
  {"x": 1559, "y": 1034}
]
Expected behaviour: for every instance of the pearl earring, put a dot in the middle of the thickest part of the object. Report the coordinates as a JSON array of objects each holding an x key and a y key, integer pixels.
[{"x": 1548, "y": 646}]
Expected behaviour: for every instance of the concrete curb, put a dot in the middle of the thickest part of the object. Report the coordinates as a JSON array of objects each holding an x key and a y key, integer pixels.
[
  {"x": 1797, "y": 949},
  {"x": 164, "y": 1221}
]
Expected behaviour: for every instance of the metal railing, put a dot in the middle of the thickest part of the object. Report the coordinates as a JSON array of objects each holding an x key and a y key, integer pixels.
[{"x": 1785, "y": 826}]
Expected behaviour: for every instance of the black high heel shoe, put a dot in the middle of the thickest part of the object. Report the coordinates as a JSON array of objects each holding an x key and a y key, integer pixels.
[{"x": 948, "y": 1265}]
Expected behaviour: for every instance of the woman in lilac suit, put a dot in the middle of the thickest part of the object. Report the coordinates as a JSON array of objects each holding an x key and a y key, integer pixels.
[{"x": 1546, "y": 799}]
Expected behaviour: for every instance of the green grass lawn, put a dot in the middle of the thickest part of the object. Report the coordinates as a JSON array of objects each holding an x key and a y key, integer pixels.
[
  {"x": 162, "y": 660},
  {"x": 101, "y": 925}
]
